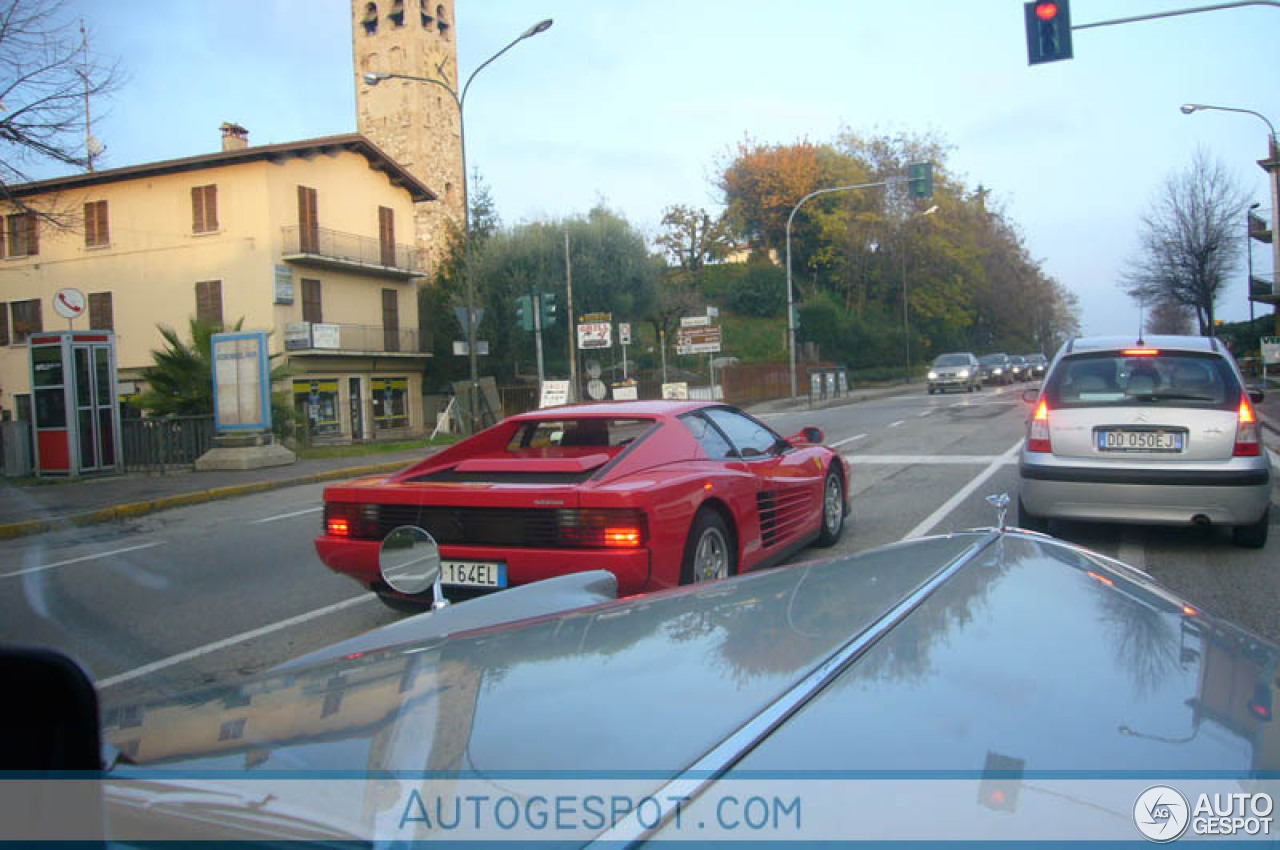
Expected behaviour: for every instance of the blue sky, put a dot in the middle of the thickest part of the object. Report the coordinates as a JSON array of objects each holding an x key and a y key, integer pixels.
[{"x": 635, "y": 103}]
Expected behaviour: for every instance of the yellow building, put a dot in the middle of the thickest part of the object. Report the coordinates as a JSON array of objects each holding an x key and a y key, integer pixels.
[{"x": 311, "y": 240}]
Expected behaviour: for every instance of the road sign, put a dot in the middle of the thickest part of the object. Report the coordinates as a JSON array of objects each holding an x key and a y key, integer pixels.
[
  {"x": 698, "y": 340},
  {"x": 624, "y": 333},
  {"x": 1271, "y": 350},
  {"x": 461, "y": 314},
  {"x": 69, "y": 303},
  {"x": 695, "y": 321},
  {"x": 595, "y": 335},
  {"x": 596, "y": 317},
  {"x": 678, "y": 391},
  {"x": 596, "y": 389},
  {"x": 460, "y": 347},
  {"x": 554, "y": 394}
]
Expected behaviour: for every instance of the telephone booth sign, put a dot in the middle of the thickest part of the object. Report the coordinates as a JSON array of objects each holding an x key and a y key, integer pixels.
[{"x": 73, "y": 390}]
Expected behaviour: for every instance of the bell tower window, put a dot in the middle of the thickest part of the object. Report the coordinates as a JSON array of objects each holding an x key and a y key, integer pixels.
[
  {"x": 424, "y": 11},
  {"x": 441, "y": 24},
  {"x": 397, "y": 13},
  {"x": 370, "y": 19}
]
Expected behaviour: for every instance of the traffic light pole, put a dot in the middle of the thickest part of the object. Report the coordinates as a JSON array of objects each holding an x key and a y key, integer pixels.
[
  {"x": 537, "y": 334},
  {"x": 1175, "y": 12}
]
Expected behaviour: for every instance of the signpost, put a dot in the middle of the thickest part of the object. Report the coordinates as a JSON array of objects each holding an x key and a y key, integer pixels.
[
  {"x": 624, "y": 339},
  {"x": 1270, "y": 354}
]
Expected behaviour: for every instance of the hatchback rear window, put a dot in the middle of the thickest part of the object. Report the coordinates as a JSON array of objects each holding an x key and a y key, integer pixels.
[{"x": 1173, "y": 379}]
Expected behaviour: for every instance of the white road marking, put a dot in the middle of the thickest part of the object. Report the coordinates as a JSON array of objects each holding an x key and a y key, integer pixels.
[
  {"x": 81, "y": 559},
  {"x": 846, "y": 440},
  {"x": 927, "y": 524},
  {"x": 1275, "y": 458},
  {"x": 287, "y": 516},
  {"x": 926, "y": 460},
  {"x": 1132, "y": 550},
  {"x": 924, "y": 413},
  {"x": 253, "y": 634},
  {"x": 895, "y": 424}
]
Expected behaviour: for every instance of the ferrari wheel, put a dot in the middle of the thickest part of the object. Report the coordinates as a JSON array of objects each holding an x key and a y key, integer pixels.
[
  {"x": 832, "y": 509},
  {"x": 708, "y": 554}
]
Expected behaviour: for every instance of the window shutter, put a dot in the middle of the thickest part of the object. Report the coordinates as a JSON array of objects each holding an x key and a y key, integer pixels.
[
  {"x": 33, "y": 235},
  {"x": 209, "y": 301},
  {"x": 211, "y": 206},
  {"x": 101, "y": 317},
  {"x": 387, "y": 235},
  {"x": 197, "y": 209},
  {"x": 311, "y": 305},
  {"x": 390, "y": 320},
  {"x": 4, "y": 323}
]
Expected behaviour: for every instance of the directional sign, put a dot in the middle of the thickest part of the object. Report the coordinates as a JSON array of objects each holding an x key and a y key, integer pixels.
[
  {"x": 698, "y": 340},
  {"x": 695, "y": 321}
]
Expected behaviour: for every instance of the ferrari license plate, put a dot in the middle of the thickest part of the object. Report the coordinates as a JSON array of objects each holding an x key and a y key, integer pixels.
[
  {"x": 473, "y": 573},
  {"x": 1126, "y": 440}
]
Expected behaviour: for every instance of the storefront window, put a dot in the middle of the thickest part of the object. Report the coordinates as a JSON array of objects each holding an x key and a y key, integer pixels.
[
  {"x": 317, "y": 404},
  {"x": 391, "y": 402}
]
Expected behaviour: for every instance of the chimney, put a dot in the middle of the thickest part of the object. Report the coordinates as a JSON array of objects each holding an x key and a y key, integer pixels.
[{"x": 234, "y": 137}]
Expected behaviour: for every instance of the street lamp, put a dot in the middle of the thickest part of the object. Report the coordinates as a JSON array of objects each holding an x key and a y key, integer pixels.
[
  {"x": 1272, "y": 166},
  {"x": 373, "y": 78},
  {"x": 906, "y": 330}
]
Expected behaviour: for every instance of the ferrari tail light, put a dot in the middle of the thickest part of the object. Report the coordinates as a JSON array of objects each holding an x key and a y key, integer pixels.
[
  {"x": 346, "y": 519},
  {"x": 1038, "y": 429},
  {"x": 602, "y": 528},
  {"x": 1247, "y": 442}
]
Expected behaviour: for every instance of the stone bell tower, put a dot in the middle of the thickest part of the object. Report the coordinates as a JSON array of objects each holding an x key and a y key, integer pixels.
[{"x": 415, "y": 123}]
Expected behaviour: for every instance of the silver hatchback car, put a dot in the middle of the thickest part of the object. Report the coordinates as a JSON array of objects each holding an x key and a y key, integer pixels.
[{"x": 1160, "y": 431}]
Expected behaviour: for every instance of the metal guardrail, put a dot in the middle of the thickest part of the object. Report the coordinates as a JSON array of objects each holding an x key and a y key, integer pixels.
[
  {"x": 157, "y": 445},
  {"x": 352, "y": 248}
]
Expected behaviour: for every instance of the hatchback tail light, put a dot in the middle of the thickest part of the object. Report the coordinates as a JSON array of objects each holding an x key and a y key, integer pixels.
[
  {"x": 1038, "y": 429},
  {"x": 1247, "y": 442}
]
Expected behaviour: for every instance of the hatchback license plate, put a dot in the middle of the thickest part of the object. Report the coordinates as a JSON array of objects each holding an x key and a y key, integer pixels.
[
  {"x": 473, "y": 573},
  {"x": 1119, "y": 440}
]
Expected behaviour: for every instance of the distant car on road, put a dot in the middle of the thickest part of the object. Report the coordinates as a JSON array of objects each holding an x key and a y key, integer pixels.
[
  {"x": 958, "y": 370},
  {"x": 995, "y": 369},
  {"x": 1019, "y": 367},
  {"x": 1037, "y": 364},
  {"x": 659, "y": 493},
  {"x": 1158, "y": 430}
]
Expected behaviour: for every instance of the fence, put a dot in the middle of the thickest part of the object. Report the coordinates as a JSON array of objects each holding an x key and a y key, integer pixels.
[{"x": 157, "y": 445}]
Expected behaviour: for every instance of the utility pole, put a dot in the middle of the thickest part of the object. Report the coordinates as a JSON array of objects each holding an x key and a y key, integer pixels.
[
  {"x": 537, "y": 334},
  {"x": 573, "y": 322}
]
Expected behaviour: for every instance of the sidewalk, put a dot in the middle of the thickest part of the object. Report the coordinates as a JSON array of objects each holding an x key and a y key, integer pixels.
[{"x": 37, "y": 508}]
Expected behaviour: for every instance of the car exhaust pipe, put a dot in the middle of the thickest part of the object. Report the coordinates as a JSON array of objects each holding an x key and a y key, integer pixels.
[{"x": 1201, "y": 520}]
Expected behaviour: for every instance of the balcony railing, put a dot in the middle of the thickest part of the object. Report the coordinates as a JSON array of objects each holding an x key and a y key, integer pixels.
[
  {"x": 1262, "y": 285},
  {"x": 320, "y": 337},
  {"x": 334, "y": 248}
]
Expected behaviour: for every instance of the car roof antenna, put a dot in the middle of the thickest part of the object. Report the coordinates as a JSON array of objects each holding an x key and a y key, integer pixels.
[{"x": 1141, "y": 321}]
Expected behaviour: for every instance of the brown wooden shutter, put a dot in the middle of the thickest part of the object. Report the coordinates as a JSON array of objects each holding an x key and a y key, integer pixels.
[
  {"x": 209, "y": 301},
  {"x": 387, "y": 235},
  {"x": 197, "y": 209},
  {"x": 390, "y": 320},
  {"x": 97, "y": 230},
  {"x": 101, "y": 317},
  {"x": 204, "y": 209},
  {"x": 311, "y": 306},
  {"x": 4, "y": 323},
  {"x": 33, "y": 235},
  {"x": 211, "y": 206},
  {"x": 308, "y": 221}
]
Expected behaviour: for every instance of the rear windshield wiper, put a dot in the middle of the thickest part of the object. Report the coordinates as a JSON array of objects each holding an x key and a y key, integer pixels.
[{"x": 1170, "y": 397}]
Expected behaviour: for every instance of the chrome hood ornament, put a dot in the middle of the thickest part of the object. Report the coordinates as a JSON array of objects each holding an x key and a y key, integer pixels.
[{"x": 999, "y": 501}]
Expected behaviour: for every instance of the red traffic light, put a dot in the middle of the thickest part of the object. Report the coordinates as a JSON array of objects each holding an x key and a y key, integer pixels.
[{"x": 1046, "y": 11}]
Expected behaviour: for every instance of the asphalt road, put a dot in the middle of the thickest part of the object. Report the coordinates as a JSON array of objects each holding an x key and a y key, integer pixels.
[{"x": 207, "y": 594}]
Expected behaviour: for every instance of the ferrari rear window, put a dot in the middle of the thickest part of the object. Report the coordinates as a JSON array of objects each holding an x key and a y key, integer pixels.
[{"x": 585, "y": 432}]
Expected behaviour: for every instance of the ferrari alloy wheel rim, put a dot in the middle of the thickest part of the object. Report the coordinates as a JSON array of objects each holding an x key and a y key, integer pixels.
[
  {"x": 711, "y": 560},
  {"x": 832, "y": 507}
]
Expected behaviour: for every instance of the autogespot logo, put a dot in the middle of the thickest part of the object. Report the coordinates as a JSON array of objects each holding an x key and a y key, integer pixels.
[{"x": 1161, "y": 813}]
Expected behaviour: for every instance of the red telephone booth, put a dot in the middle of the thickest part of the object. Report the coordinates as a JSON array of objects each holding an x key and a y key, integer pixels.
[{"x": 73, "y": 390}]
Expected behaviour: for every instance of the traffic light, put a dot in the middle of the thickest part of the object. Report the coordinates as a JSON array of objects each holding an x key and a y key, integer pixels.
[
  {"x": 548, "y": 309},
  {"x": 920, "y": 179},
  {"x": 524, "y": 312},
  {"x": 1048, "y": 31}
]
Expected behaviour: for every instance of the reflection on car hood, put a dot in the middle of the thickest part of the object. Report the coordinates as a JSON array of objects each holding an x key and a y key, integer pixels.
[{"x": 1032, "y": 649}]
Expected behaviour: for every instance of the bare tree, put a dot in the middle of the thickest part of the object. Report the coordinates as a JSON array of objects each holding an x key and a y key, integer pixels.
[
  {"x": 48, "y": 78},
  {"x": 1190, "y": 240},
  {"x": 692, "y": 238},
  {"x": 1168, "y": 317}
]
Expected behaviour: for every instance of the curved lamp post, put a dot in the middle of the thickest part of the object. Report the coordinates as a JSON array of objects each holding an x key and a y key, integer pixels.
[
  {"x": 372, "y": 78},
  {"x": 1272, "y": 166}
]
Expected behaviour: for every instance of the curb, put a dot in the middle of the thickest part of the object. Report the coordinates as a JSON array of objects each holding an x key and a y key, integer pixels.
[{"x": 129, "y": 510}]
